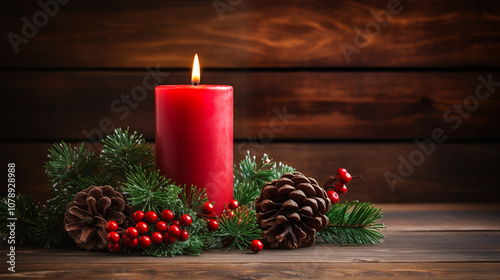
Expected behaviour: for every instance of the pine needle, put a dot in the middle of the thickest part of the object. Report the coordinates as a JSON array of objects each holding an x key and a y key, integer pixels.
[
  {"x": 149, "y": 191},
  {"x": 250, "y": 175},
  {"x": 238, "y": 230},
  {"x": 66, "y": 169},
  {"x": 122, "y": 152},
  {"x": 354, "y": 223},
  {"x": 69, "y": 163},
  {"x": 193, "y": 197}
]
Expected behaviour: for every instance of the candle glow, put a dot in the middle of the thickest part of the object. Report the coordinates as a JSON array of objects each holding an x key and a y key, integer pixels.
[{"x": 195, "y": 76}]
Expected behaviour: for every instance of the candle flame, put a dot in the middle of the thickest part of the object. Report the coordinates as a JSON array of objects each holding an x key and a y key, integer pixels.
[{"x": 195, "y": 77}]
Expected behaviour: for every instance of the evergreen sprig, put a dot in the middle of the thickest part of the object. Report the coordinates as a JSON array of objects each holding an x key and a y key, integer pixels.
[
  {"x": 149, "y": 191},
  {"x": 49, "y": 230},
  {"x": 66, "y": 169},
  {"x": 69, "y": 163},
  {"x": 354, "y": 223},
  {"x": 238, "y": 229},
  {"x": 122, "y": 152},
  {"x": 193, "y": 197},
  {"x": 250, "y": 175}
]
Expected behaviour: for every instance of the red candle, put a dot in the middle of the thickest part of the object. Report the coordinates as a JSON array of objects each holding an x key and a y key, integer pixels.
[{"x": 194, "y": 137}]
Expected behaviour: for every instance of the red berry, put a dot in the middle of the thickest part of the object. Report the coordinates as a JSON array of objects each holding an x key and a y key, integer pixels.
[
  {"x": 207, "y": 208},
  {"x": 186, "y": 220},
  {"x": 184, "y": 235},
  {"x": 113, "y": 237},
  {"x": 168, "y": 240},
  {"x": 156, "y": 238},
  {"x": 161, "y": 226},
  {"x": 132, "y": 243},
  {"x": 114, "y": 247},
  {"x": 142, "y": 227},
  {"x": 111, "y": 226},
  {"x": 256, "y": 246},
  {"x": 212, "y": 225},
  {"x": 233, "y": 204},
  {"x": 340, "y": 188},
  {"x": 333, "y": 196},
  {"x": 145, "y": 241},
  {"x": 229, "y": 213},
  {"x": 151, "y": 217},
  {"x": 174, "y": 231},
  {"x": 344, "y": 178},
  {"x": 132, "y": 233},
  {"x": 175, "y": 223},
  {"x": 167, "y": 215},
  {"x": 138, "y": 216},
  {"x": 341, "y": 170}
]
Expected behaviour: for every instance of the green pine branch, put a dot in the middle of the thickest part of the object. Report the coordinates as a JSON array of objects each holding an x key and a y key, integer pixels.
[
  {"x": 149, "y": 191},
  {"x": 48, "y": 230},
  {"x": 122, "y": 152},
  {"x": 70, "y": 163},
  {"x": 354, "y": 223},
  {"x": 68, "y": 167},
  {"x": 193, "y": 197},
  {"x": 238, "y": 230},
  {"x": 279, "y": 169},
  {"x": 250, "y": 175}
]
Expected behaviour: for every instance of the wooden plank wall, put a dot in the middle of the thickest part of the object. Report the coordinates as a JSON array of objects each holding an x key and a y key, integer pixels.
[{"x": 298, "y": 96}]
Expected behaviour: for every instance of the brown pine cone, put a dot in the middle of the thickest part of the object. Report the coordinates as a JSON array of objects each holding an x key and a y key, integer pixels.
[
  {"x": 290, "y": 211},
  {"x": 86, "y": 217}
]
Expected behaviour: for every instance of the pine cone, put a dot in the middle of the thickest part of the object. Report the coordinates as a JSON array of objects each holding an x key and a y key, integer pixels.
[
  {"x": 86, "y": 217},
  {"x": 291, "y": 210}
]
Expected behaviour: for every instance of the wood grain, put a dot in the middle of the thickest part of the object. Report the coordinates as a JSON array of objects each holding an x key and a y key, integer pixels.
[
  {"x": 254, "y": 34},
  {"x": 398, "y": 247},
  {"x": 412, "y": 254},
  {"x": 443, "y": 177},
  {"x": 268, "y": 105},
  {"x": 258, "y": 270}
]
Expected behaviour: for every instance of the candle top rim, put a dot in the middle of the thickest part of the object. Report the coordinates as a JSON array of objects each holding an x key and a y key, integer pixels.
[{"x": 192, "y": 86}]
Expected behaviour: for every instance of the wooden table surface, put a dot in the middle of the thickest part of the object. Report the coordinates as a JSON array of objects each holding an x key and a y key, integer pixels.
[{"x": 436, "y": 241}]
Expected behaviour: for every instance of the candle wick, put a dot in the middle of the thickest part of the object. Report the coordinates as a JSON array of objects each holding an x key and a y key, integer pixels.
[{"x": 195, "y": 84}]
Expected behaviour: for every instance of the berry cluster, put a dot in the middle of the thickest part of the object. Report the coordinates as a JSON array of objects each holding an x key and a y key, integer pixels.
[
  {"x": 230, "y": 207},
  {"x": 343, "y": 177},
  {"x": 149, "y": 229},
  {"x": 208, "y": 209}
]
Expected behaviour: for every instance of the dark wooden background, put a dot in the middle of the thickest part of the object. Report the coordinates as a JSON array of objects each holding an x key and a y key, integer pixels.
[{"x": 278, "y": 55}]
